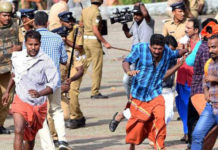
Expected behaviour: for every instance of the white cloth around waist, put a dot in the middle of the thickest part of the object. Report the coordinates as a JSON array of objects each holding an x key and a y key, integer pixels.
[{"x": 90, "y": 37}]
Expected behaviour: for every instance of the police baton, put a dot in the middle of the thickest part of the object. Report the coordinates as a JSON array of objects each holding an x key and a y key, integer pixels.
[
  {"x": 72, "y": 53},
  {"x": 71, "y": 58},
  {"x": 27, "y": 23},
  {"x": 121, "y": 49}
]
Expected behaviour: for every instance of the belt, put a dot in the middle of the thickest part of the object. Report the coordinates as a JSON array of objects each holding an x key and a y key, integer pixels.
[{"x": 90, "y": 37}]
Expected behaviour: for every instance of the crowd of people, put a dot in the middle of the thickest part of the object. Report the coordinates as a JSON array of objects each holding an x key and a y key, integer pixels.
[{"x": 41, "y": 73}]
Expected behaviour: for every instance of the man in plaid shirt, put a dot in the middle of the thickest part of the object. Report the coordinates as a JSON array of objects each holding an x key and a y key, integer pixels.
[
  {"x": 147, "y": 104},
  {"x": 209, "y": 117}
]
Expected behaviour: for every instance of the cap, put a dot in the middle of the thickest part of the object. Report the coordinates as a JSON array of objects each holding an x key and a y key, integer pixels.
[
  {"x": 27, "y": 13},
  {"x": 136, "y": 9},
  {"x": 179, "y": 5},
  {"x": 66, "y": 16}
]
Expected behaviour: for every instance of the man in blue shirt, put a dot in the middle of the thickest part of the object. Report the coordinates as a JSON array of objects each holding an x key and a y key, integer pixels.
[
  {"x": 53, "y": 45},
  {"x": 141, "y": 31},
  {"x": 147, "y": 105}
]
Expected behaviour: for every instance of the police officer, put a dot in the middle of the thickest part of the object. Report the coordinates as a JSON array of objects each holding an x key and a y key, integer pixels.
[
  {"x": 176, "y": 26},
  {"x": 73, "y": 117},
  {"x": 91, "y": 20},
  {"x": 54, "y": 21},
  {"x": 27, "y": 16},
  {"x": 196, "y": 7},
  {"x": 9, "y": 42}
]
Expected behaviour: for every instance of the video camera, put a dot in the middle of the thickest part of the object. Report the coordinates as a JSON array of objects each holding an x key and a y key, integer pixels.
[
  {"x": 123, "y": 16},
  {"x": 62, "y": 31}
]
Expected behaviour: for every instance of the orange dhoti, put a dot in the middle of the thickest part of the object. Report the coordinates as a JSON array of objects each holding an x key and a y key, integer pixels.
[
  {"x": 199, "y": 102},
  {"x": 33, "y": 115},
  {"x": 147, "y": 120}
]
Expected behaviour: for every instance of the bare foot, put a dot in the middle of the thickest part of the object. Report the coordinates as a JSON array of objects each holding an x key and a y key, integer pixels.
[{"x": 119, "y": 117}]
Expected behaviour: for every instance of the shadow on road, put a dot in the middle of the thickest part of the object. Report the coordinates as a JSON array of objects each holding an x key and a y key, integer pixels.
[
  {"x": 85, "y": 89},
  {"x": 97, "y": 143},
  {"x": 99, "y": 122},
  {"x": 174, "y": 142},
  {"x": 117, "y": 94}
]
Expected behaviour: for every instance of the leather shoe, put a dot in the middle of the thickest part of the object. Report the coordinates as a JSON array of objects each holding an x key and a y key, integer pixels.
[
  {"x": 99, "y": 96},
  {"x": 75, "y": 123},
  {"x": 64, "y": 146},
  {"x": 68, "y": 123},
  {"x": 4, "y": 130},
  {"x": 56, "y": 143},
  {"x": 114, "y": 123}
]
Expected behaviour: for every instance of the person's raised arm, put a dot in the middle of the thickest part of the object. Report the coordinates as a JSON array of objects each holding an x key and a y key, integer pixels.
[
  {"x": 174, "y": 69},
  {"x": 145, "y": 13},
  {"x": 182, "y": 52}
]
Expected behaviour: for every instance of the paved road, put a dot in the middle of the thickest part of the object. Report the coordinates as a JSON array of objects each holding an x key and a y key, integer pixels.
[{"x": 96, "y": 135}]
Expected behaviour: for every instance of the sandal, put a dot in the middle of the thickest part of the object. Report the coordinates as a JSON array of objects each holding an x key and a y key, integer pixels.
[{"x": 114, "y": 123}]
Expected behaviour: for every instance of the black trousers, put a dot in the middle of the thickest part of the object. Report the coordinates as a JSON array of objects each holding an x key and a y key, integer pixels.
[{"x": 192, "y": 120}]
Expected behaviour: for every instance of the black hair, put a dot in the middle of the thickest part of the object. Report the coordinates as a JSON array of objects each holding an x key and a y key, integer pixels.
[
  {"x": 205, "y": 22},
  {"x": 157, "y": 39},
  {"x": 170, "y": 40},
  {"x": 33, "y": 35},
  {"x": 215, "y": 36},
  {"x": 96, "y": 3},
  {"x": 41, "y": 18},
  {"x": 196, "y": 24}
]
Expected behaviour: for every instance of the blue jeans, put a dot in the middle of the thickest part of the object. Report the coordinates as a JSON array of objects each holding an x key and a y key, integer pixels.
[{"x": 206, "y": 121}]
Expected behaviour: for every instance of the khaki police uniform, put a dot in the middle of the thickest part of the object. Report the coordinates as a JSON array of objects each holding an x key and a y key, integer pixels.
[
  {"x": 92, "y": 46},
  {"x": 54, "y": 21},
  {"x": 194, "y": 5},
  {"x": 78, "y": 60},
  {"x": 9, "y": 36},
  {"x": 176, "y": 30}
]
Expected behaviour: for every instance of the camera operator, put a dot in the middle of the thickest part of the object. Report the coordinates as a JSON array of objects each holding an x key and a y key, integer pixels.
[{"x": 143, "y": 25}]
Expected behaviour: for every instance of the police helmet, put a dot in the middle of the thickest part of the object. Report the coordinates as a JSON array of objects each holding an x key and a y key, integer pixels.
[{"x": 5, "y": 7}]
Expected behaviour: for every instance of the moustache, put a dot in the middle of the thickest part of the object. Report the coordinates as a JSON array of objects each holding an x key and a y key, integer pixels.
[{"x": 212, "y": 53}]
